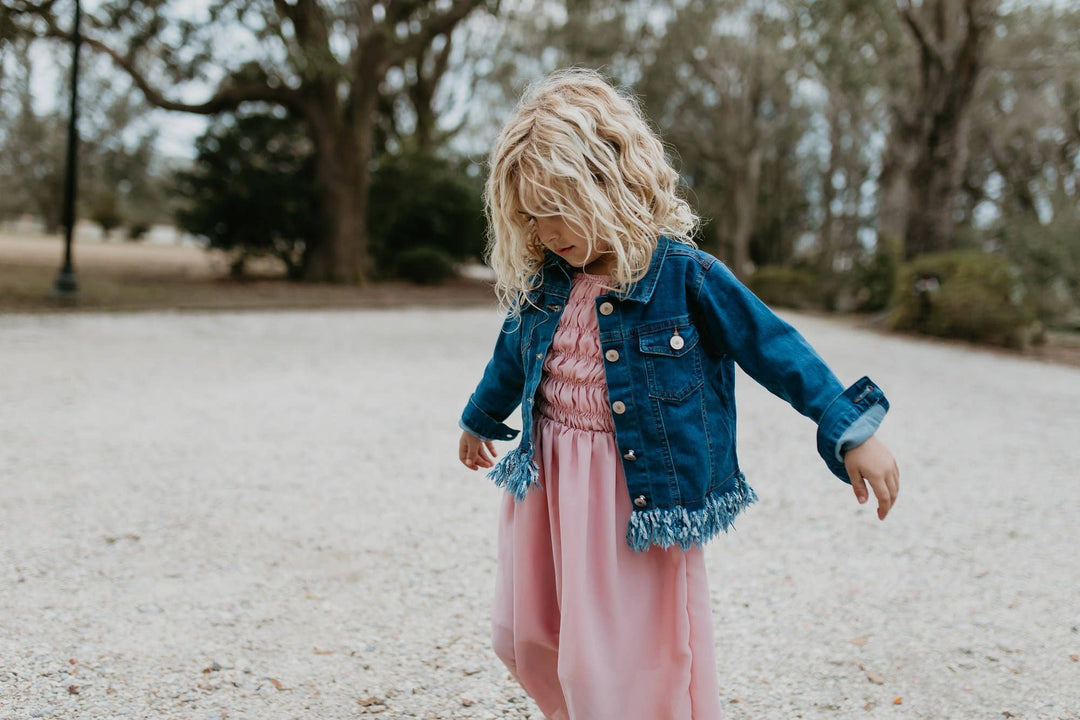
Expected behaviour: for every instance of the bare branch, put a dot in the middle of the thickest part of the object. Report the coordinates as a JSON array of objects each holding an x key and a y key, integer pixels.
[
  {"x": 929, "y": 44},
  {"x": 971, "y": 49},
  {"x": 435, "y": 25},
  {"x": 285, "y": 10},
  {"x": 228, "y": 96}
]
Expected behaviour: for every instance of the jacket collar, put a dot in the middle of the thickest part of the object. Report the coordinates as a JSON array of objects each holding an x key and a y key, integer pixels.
[{"x": 557, "y": 273}]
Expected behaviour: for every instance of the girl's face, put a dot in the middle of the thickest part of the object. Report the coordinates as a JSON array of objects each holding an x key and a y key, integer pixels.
[{"x": 559, "y": 237}]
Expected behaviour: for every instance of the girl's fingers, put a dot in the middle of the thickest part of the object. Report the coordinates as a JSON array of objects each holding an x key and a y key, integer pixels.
[
  {"x": 467, "y": 453},
  {"x": 482, "y": 454},
  {"x": 859, "y": 487},
  {"x": 884, "y": 498}
]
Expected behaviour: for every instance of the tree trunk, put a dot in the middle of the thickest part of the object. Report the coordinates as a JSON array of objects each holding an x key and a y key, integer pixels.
[
  {"x": 828, "y": 190},
  {"x": 951, "y": 60},
  {"x": 935, "y": 180},
  {"x": 343, "y": 152},
  {"x": 745, "y": 206},
  {"x": 894, "y": 183}
]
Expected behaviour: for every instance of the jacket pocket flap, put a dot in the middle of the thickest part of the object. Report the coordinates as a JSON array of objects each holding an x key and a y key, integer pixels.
[{"x": 673, "y": 340}]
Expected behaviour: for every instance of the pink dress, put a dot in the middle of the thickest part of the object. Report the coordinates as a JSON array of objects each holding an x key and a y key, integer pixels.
[{"x": 591, "y": 629}]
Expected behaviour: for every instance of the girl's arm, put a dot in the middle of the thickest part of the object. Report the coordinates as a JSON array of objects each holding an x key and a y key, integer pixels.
[
  {"x": 499, "y": 391},
  {"x": 738, "y": 325}
]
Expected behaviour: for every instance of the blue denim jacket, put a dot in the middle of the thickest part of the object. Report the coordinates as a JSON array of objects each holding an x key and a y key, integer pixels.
[{"x": 670, "y": 345}]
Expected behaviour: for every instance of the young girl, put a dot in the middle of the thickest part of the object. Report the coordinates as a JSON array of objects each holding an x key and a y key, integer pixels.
[{"x": 619, "y": 345}]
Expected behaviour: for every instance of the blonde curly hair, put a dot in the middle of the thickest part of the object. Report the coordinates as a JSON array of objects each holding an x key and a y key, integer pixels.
[{"x": 576, "y": 147}]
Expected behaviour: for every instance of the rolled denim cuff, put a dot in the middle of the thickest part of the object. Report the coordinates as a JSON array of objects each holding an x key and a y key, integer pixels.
[
  {"x": 849, "y": 420},
  {"x": 479, "y": 423}
]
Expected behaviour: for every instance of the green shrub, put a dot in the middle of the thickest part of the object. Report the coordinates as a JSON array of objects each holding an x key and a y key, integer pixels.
[
  {"x": 791, "y": 287},
  {"x": 424, "y": 265},
  {"x": 138, "y": 230},
  {"x": 1048, "y": 256},
  {"x": 877, "y": 277},
  {"x": 422, "y": 201},
  {"x": 965, "y": 294},
  {"x": 252, "y": 191}
]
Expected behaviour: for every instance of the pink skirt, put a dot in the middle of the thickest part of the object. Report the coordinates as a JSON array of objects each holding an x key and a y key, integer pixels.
[{"x": 589, "y": 628}]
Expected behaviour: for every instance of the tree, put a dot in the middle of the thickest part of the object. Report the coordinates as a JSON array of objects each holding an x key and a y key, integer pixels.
[
  {"x": 927, "y": 148},
  {"x": 720, "y": 85},
  {"x": 322, "y": 61},
  {"x": 252, "y": 190},
  {"x": 31, "y": 148},
  {"x": 116, "y": 176},
  {"x": 1024, "y": 166},
  {"x": 848, "y": 52},
  {"x": 1025, "y": 139}
]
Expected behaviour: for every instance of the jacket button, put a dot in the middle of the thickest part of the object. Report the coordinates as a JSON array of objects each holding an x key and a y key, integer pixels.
[
  {"x": 618, "y": 407},
  {"x": 640, "y": 501},
  {"x": 630, "y": 455},
  {"x": 612, "y": 355},
  {"x": 606, "y": 308}
]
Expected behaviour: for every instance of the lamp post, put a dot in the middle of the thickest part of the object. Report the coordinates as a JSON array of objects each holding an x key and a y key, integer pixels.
[{"x": 65, "y": 285}]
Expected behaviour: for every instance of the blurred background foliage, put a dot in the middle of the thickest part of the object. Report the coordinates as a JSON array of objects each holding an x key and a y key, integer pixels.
[
  {"x": 251, "y": 190},
  {"x": 841, "y": 153}
]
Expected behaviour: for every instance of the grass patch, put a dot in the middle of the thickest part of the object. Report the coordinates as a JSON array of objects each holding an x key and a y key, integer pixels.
[{"x": 131, "y": 277}]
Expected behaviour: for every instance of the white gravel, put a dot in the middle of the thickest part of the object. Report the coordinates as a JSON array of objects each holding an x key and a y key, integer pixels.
[{"x": 262, "y": 516}]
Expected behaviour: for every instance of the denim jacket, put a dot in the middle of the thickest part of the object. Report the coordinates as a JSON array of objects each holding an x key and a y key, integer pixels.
[{"x": 670, "y": 345}]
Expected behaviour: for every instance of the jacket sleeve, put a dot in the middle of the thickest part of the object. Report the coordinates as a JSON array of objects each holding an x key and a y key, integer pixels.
[
  {"x": 738, "y": 325},
  {"x": 500, "y": 389}
]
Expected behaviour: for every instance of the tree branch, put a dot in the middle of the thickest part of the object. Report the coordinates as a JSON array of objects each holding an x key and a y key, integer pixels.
[
  {"x": 435, "y": 25},
  {"x": 968, "y": 57},
  {"x": 928, "y": 43},
  {"x": 286, "y": 10},
  {"x": 228, "y": 96}
]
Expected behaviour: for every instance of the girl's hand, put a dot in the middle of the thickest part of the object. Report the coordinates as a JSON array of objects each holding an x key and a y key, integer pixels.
[
  {"x": 475, "y": 453},
  {"x": 873, "y": 461}
]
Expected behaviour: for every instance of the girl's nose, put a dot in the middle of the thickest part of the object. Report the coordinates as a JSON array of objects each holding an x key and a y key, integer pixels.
[{"x": 547, "y": 230}]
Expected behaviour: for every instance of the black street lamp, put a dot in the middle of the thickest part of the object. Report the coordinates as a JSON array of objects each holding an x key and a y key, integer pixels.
[{"x": 65, "y": 285}]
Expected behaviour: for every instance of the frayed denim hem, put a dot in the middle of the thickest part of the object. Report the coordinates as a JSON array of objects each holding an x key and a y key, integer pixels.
[
  {"x": 676, "y": 525},
  {"x": 517, "y": 472}
]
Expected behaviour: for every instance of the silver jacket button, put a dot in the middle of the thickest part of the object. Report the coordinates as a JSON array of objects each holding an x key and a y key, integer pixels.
[
  {"x": 640, "y": 501},
  {"x": 676, "y": 341},
  {"x": 630, "y": 456},
  {"x": 612, "y": 355},
  {"x": 606, "y": 308},
  {"x": 618, "y": 407}
]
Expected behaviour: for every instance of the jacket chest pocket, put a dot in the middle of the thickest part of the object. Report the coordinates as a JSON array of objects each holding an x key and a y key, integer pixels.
[{"x": 672, "y": 361}]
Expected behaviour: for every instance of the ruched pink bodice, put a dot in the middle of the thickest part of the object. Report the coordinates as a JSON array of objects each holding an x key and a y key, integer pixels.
[{"x": 572, "y": 388}]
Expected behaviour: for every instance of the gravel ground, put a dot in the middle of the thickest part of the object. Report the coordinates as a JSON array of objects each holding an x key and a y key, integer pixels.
[{"x": 262, "y": 516}]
